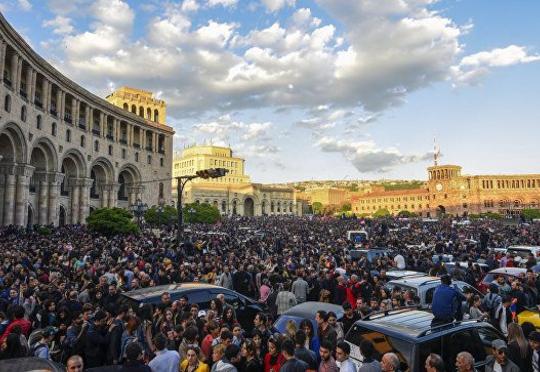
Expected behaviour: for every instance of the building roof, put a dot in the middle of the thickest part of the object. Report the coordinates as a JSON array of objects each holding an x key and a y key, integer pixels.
[{"x": 404, "y": 192}]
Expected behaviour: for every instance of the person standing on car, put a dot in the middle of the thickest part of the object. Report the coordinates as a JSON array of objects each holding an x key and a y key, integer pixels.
[{"x": 446, "y": 305}]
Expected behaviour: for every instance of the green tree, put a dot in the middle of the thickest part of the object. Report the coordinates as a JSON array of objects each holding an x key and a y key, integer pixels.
[
  {"x": 353, "y": 187},
  {"x": 531, "y": 214},
  {"x": 381, "y": 213},
  {"x": 201, "y": 213},
  {"x": 346, "y": 207},
  {"x": 317, "y": 208},
  {"x": 169, "y": 215},
  {"x": 406, "y": 214},
  {"x": 112, "y": 221}
]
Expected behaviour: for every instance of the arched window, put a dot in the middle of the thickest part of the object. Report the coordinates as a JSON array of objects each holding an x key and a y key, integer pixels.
[
  {"x": 38, "y": 122},
  {"x": 156, "y": 116},
  {"x": 149, "y": 113},
  {"x": 224, "y": 206},
  {"x": 161, "y": 162},
  {"x": 96, "y": 146},
  {"x": 7, "y": 103},
  {"x": 68, "y": 135},
  {"x": 110, "y": 150},
  {"x": 141, "y": 112},
  {"x": 134, "y": 109},
  {"x": 161, "y": 190},
  {"x": 83, "y": 141},
  {"x": 53, "y": 129},
  {"x": 126, "y": 107},
  {"x": 23, "y": 113},
  {"x": 149, "y": 159},
  {"x": 137, "y": 156}
]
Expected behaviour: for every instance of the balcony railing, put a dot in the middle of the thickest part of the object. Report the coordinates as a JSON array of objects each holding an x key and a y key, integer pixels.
[
  {"x": 136, "y": 145},
  {"x": 67, "y": 117},
  {"x": 82, "y": 123},
  {"x": 38, "y": 102},
  {"x": 96, "y": 132},
  {"x": 123, "y": 141}
]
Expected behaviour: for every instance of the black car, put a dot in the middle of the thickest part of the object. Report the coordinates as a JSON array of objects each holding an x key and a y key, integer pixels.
[
  {"x": 306, "y": 310},
  {"x": 408, "y": 334},
  {"x": 30, "y": 364},
  {"x": 200, "y": 294}
]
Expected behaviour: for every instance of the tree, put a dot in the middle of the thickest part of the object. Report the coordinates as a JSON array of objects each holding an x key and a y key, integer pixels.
[
  {"x": 531, "y": 214},
  {"x": 201, "y": 213},
  {"x": 112, "y": 221},
  {"x": 346, "y": 207},
  {"x": 353, "y": 187},
  {"x": 406, "y": 214},
  {"x": 169, "y": 215},
  {"x": 329, "y": 209},
  {"x": 381, "y": 213},
  {"x": 317, "y": 208}
]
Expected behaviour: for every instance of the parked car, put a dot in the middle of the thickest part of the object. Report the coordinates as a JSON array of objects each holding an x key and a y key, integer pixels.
[
  {"x": 424, "y": 287},
  {"x": 507, "y": 272},
  {"x": 30, "y": 364},
  {"x": 451, "y": 266},
  {"x": 200, "y": 294},
  {"x": 408, "y": 334},
  {"x": 523, "y": 251},
  {"x": 306, "y": 310}
]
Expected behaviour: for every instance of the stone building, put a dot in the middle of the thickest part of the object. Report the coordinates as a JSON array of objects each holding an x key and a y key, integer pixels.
[
  {"x": 233, "y": 194},
  {"x": 447, "y": 191},
  {"x": 65, "y": 151}
]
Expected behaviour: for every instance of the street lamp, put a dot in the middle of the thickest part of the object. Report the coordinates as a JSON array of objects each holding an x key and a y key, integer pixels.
[
  {"x": 191, "y": 213},
  {"x": 138, "y": 209},
  {"x": 181, "y": 183}
]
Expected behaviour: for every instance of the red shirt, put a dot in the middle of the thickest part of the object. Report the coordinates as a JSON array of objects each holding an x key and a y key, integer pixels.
[
  {"x": 23, "y": 323},
  {"x": 275, "y": 367},
  {"x": 206, "y": 346}
]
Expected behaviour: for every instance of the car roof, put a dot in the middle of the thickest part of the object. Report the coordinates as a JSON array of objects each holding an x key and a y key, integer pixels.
[
  {"x": 409, "y": 323},
  {"x": 140, "y": 294},
  {"x": 310, "y": 308},
  {"x": 514, "y": 271},
  {"x": 531, "y": 247},
  {"x": 403, "y": 273},
  {"x": 415, "y": 281}
]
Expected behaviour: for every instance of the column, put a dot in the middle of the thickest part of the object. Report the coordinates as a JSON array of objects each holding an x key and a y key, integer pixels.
[
  {"x": 59, "y": 104},
  {"x": 2, "y": 58},
  {"x": 75, "y": 111},
  {"x": 32, "y": 95},
  {"x": 9, "y": 205},
  {"x": 132, "y": 195},
  {"x": 74, "y": 200},
  {"x": 62, "y": 105},
  {"x": 45, "y": 94},
  {"x": 130, "y": 135},
  {"x": 104, "y": 194},
  {"x": 43, "y": 200},
  {"x": 84, "y": 206},
  {"x": 21, "y": 199},
  {"x": 19, "y": 73},
  {"x": 102, "y": 126},
  {"x": 14, "y": 71},
  {"x": 116, "y": 130},
  {"x": 113, "y": 195},
  {"x": 87, "y": 118},
  {"x": 154, "y": 142},
  {"x": 54, "y": 190},
  {"x": 29, "y": 73}
]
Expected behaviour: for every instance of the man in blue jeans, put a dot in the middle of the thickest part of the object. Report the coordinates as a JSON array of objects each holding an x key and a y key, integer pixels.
[{"x": 446, "y": 305}]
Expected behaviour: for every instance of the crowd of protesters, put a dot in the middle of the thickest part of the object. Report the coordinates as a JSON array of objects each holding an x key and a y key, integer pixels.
[{"x": 60, "y": 293}]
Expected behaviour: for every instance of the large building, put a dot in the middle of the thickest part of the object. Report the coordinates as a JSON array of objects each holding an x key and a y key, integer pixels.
[
  {"x": 233, "y": 194},
  {"x": 65, "y": 151},
  {"x": 447, "y": 191}
]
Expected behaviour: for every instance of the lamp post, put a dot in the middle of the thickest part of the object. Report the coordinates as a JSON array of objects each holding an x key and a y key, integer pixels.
[
  {"x": 138, "y": 209},
  {"x": 181, "y": 182},
  {"x": 191, "y": 212}
]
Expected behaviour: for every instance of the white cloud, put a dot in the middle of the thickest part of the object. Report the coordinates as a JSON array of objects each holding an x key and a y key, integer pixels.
[
  {"x": 61, "y": 25},
  {"x": 224, "y": 3},
  {"x": 114, "y": 13},
  {"x": 366, "y": 156},
  {"x": 25, "y": 5},
  {"x": 475, "y": 66},
  {"x": 190, "y": 6},
  {"x": 275, "y": 5}
]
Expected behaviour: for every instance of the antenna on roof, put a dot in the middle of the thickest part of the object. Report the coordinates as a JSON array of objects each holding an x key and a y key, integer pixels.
[{"x": 436, "y": 152}]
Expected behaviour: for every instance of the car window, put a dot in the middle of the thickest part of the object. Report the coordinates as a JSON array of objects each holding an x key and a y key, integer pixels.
[
  {"x": 471, "y": 289},
  {"x": 232, "y": 299},
  {"x": 465, "y": 340},
  {"x": 201, "y": 298},
  {"x": 489, "y": 278},
  {"x": 383, "y": 344},
  {"x": 488, "y": 335},
  {"x": 426, "y": 348},
  {"x": 429, "y": 295}
]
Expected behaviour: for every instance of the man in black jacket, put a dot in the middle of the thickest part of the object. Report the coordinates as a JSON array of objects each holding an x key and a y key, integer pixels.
[
  {"x": 303, "y": 353},
  {"x": 291, "y": 363},
  {"x": 115, "y": 336},
  {"x": 97, "y": 341}
]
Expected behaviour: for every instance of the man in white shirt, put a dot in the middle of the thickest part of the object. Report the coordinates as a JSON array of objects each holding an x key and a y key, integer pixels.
[
  {"x": 399, "y": 261},
  {"x": 165, "y": 360},
  {"x": 345, "y": 364}
]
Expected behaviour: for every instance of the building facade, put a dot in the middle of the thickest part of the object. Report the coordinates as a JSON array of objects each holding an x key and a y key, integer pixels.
[
  {"x": 65, "y": 151},
  {"x": 233, "y": 194},
  {"x": 447, "y": 191}
]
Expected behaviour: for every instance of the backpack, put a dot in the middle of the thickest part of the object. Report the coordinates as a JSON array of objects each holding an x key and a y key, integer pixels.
[
  {"x": 125, "y": 342},
  {"x": 34, "y": 350}
]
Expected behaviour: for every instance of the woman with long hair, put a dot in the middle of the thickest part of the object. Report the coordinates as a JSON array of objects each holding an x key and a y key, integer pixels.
[
  {"x": 217, "y": 307},
  {"x": 12, "y": 347},
  {"x": 251, "y": 362},
  {"x": 519, "y": 350},
  {"x": 312, "y": 341},
  {"x": 229, "y": 318},
  {"x": 193, "y": 362},
  {"x": 273, "y": 360}
]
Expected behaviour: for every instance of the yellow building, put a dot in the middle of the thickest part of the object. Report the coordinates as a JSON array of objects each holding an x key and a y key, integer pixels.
[
  {"x": 447, "y": 191},
  {"x": 139, "y": 102},
  {"x": 233, "y": 194},
  {"x": 327, "y": 196}
]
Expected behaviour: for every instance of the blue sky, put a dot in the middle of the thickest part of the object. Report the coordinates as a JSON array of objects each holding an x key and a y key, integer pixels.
[{"x": 316, "y": 89}]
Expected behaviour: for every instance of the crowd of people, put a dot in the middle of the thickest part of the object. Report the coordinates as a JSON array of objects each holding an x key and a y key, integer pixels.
[{"x": 60, "y": 293}]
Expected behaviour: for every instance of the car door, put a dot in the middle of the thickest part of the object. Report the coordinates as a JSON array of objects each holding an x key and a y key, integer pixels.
[{"x": 462, "y": 340}]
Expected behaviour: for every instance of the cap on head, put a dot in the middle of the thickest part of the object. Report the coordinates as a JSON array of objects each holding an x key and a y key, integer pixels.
[{"x": 498, "y": 344}]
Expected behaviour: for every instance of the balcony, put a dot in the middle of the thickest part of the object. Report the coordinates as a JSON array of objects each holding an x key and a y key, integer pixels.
[
  {"x": 67, "y": 118},
  {"x": 7, "y": 80},
  {"x": 161, "y": 151},
  {"x": 53, "y": 111},
  {"x": 82, "y": 124},
  {"x": 38, "y": 102},
  {"x": 96, "y": 132},
  {"x": 123, "y": 141},
  {"x": 110, "y": 137},
  {"x": 149, "y": 148},
  {"x": 136, "y": 145}
]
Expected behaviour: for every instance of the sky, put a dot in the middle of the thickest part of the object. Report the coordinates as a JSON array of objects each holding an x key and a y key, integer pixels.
[{"x": 315, "y": 89}]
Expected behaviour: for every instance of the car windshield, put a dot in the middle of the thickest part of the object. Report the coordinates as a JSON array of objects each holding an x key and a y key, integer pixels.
[
  {"x": 382, "y": 343},
  {"x": 521, "y": 252},
  {"x": 390, "y": 286},
  {"x": 281, "y": 323},
  {"x": 489, "y": 278}
]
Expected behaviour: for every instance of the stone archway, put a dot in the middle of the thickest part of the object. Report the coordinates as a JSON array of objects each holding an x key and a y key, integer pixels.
[
  {"x": 30, "y": 217},
  {"x": 44, "y": 159},
  {"x": 249, "y": 207},
  {"x": 62, "y": 216},
  {"x": 129, "y": 185},
  {"x": 103, "y": 186},
  {"x": 74, "y": 185}
]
